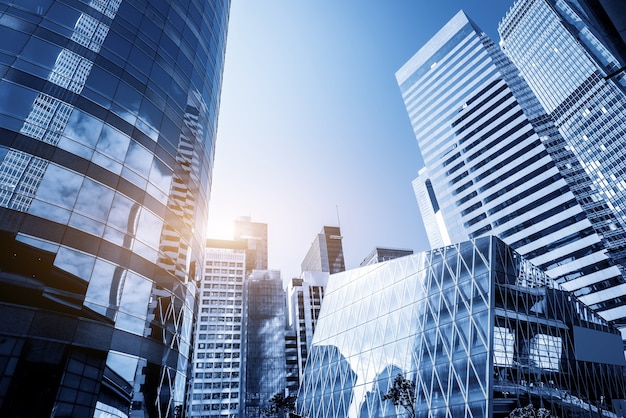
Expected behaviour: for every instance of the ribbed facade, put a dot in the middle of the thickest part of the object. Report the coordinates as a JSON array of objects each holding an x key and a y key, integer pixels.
[
  {"x": 305, "y": 302},
  {"x": 326, "y": 252},
  {"x": 565, "y": 63},
  {"x": 217, "y": 368},
  {"x": 108, "y": 112},
  {"x": 436, "y": 230},
  {"x": 494, "y": 160}
]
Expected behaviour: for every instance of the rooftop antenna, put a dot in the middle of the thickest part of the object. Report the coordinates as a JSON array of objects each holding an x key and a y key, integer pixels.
[{"x": 338, "y": 221}]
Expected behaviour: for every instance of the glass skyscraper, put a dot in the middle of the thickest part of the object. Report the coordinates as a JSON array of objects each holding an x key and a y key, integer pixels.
[
  {"x": 474, "y": 326},
  {"x": 567, "y": 63},
  {"x": 108, "y": 112},
  {"x": 326, "y": 252},
  {"x": 496, "y": 165},
  {"x": 265, "y": 325}
]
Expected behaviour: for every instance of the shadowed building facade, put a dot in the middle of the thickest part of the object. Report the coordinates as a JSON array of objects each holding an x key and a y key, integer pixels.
[
  {"x": 108, "y": 112},
  {"x": 474, "y": 325},
  {"x": 574, "y": 71}
]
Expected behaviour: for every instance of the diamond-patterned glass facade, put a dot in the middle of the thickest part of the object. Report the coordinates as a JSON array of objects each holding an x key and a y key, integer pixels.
[{"x": 478, "y": 329}]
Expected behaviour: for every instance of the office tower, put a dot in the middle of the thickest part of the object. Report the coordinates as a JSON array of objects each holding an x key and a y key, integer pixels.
[
  {"x": 265, "y": 327},
  {"x": 607, "y": 19},
  {"x": 108, "y": 113},
  {"x": 498, "y": 166},
  {"x": 255, "y": 236},
  {"x": 292, "y": 364},
  {"x": 432, "y": 218},
  {"x": 574, "y": 74},
  {"x": 380, "y": 254},
  {"x": 305, "y": 302},
  {"x": 474, "y": 327},
  {"x": 217, "y": 367},
  {"x": 326, "y": 252}
]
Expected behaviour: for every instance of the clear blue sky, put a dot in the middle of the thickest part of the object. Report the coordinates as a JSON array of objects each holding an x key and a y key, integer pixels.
[{"x": 312, "y": 120}]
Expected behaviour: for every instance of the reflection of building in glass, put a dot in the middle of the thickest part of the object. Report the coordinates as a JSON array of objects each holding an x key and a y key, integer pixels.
[
  {"x": 474, "y": 326},
  {"x": 265, "y": 330},
  {"x": 305, "y": 302},
  {"x": 565, "y": 60},
  {"x": 380, "y": 254},
  {"x": 254, "y": 234},
  {"x": 217, "y": 358},
  {"x": 108, "y": 118},
  {"x": 326, "y": 252},
  {"x": 497, "y": 165}
]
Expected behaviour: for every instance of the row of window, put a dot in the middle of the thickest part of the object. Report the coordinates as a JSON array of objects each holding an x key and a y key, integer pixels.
[
  {"x": 216, "y": 385},
  {"x": 217, "y": 375},
  {"x": 220, "y": 327},
  {"x": 217, "y": 355},
  {"x": 224, "y": 264},
  {"x": 222, "y": 395},
  {"x": 202, "y": 336},
  {"x": 211, "y": 346},
  {"x": 223, "y": 286},
  {"x": 217, "y": 365}
]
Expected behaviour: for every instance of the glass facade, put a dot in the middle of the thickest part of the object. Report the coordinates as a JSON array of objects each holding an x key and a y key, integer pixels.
[
  {"x": 566, "y": 62},
  {"x": 254, "y": 234},
  {"x": 497, "y": 165},
  {"x": 108, "y": 112},
  {"x": 326, "y": 252},
  {"x": 475, "y": 326},
  {"x": 265, "y": 326}
]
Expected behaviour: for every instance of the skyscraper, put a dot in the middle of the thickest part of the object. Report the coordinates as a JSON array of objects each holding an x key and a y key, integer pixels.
[
  {"x": 254, "y": 234},
  {"x": 217, "y": 371},
  {"x": 436, "y": 230},
  {"x": 326, "y": 252},
  {"x": 305, "y": 303},
  {"x": 380, "y": 254},
  {"x": 265, "y": 343},
  {"x": 567, "y": 63},
  {"x": 108, "y": 113},
  {"x": 497, "y": 165},
  {"x": 476, "y": 329}
]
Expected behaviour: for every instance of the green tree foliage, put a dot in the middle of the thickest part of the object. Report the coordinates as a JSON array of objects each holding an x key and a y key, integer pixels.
[
  {"x": 402, "y": 393},
  {"x": 280, "y": 405},
  {"x": 529, "y": 411}
]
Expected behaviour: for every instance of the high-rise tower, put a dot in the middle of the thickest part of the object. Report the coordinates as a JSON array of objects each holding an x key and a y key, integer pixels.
[
  {"x": 326, "y": 252},
  {"x": 254, "y": 234},
  {"x": 497, "y": 165},
  {"x": 108, "y": 112},
  {"x": 573, "y": 71},
  {"x": 217, "y": 369}
]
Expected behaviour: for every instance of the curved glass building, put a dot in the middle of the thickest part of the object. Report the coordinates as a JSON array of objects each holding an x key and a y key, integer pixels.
[{"x": 108, "y": 112}]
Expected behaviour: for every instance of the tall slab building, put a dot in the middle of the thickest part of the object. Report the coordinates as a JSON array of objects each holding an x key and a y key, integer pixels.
[
  {"x": 254, "y": 234},
  {"x": 265, "y": 326},
  {"x": 497, "y": 165},
  {"x": 326, "y": 252},
  {"x": 108, "y": 112},
  {"x": 217, "y": 369},
  {"x": 574, "y": 73}
]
